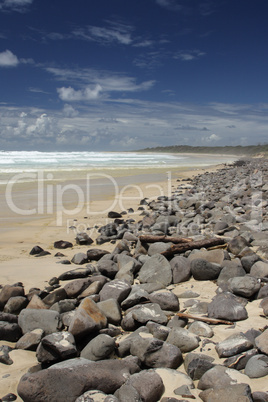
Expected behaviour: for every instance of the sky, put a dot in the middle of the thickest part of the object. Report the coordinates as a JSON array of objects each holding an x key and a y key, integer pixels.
[{"x": 118, "y": 75}]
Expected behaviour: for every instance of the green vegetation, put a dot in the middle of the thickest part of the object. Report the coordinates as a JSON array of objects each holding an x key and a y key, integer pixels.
[{"x": 249, "y": 150}]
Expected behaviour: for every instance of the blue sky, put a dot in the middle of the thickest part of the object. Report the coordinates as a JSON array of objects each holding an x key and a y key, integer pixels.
[{"x": 124, "y": 74}]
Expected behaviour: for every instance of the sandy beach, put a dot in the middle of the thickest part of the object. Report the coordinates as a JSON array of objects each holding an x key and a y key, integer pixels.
[{"x": 20, "y": 233}]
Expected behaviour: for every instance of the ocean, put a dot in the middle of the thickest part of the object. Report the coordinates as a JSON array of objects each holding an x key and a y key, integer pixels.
[{"x": 75, "y": 163}]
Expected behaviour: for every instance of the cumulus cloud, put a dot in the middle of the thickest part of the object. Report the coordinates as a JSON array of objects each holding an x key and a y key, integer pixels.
[
  {"x": 86, "y": 94},
  {"x": 69, "y": 111},
  {"x": 8, "y": 59},
  {"x": 212, "y": 137},
  {"x": 42, "y": 127}
]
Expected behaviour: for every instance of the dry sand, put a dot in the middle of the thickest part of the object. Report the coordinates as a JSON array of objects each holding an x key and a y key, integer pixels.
[{"x": 18, "y": 236}]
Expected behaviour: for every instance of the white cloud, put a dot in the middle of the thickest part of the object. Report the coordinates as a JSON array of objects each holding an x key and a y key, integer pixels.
[
  {"x": 70, "y": 94},
  {"x": 116, "y": 33},
  {"x": 69, "y": 111},
  {"x": 212, "y": 138},
  {"x": 189, "y": 55},
  {"x": 8, "y": 59},
  {"x": 16, "y": 5},
  {"x": 42, "y": 127}
]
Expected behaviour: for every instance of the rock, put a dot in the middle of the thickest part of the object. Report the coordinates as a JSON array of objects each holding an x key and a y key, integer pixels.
[
  {"x": 262, "y": 342},
  {"x": 127, "y": 393},
  {"x": 260, "y": 396},
  {"x": 124, "y": 344},
  {"x": 238, "y": 362},
  {"x": 181, "y": 271},
  {"x": 175, "y": 380},
  {"x": 74, "y": 288},
  {"x": 116, "y": 289},
  {"x": 166, "y": 300},
  {"x": 136, "y": 296},
  {"x": 68, "y": 380},
  {"x": 158, "y": 248},
  {"x": 148, "y": 384},
  {"x": 156, "y": 353},
  {"x": 111, "y": 310},
  {"x": 263, "y": 292},
  {"x": 237, "y": 244},
  {"x": 62, "y": 244},
  {"x": 225, "y": 306},
  {"x": 114, "y": 215},
  {"x": 76, "y": 273},
  {"x": 259, "y": 269},
  {"x": 83, "y": 239},
  {"x": 56, "y": 347},
  {"x": 230, "y": 269},
  {"x": 36, "y": 250},
  {"x": 107, "y": 268},
  {"x": 200, "y": 328},
  {"x": 149, "y": 312},
  {"x": 249, "y": 260},
  {"x": 203, "y": 270},
  {"x": 157, "y": 330},
  {"x": 79, "y": 259},
  {"x": 87, "y": 318},
  {"x": 257, "y": 366},
  {"x": 4, "y": 355},
  {"x": 12, "y": 318},
  {"x": 14, "y": 305},
  {"x": 94, "y": 395},
  {"x": 37, "y": 303},
  {"x": 99, "y": 348},
  {"x": 9, "y": 291},
  {"x": 10, "y": 332},
  {"x": 214, "y": 256},
  {"x": 54, "y": 297},
  {"x": 183, "y": 339},
  {"x": 95, "y": 254},
  {"x": 196, "y": 364},
  {"x": 233, "y": 345},
  {"x": 234, "y": 393},
  {"x": 156, "y": 269},
  {"x": 246, "y": 286},
  {"x": 221, "y": 377},
  {"x": 30, "y": 340},
  {"x": 47, "y": 320}
]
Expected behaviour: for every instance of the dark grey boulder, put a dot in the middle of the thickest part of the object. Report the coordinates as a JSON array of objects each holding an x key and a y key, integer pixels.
[
  {"x": 124, "y": 345},
  {"x": 233, "y": 345},
  {"x": 111, "y": 310},
  {"x": 136, "y": 296},
  {"x": 234, "y": 393},
  {"x": 203, "y": 270},
  {"x": 9, "y": 291},
  {"x": 264, "y": 306},
  {"x": 63, "y": 306},
  {"x": 55, "y": 296},
  {"x": 158, "y": 248},
  {"x": 83, "y": 239},
  {"x": 155, "y": 353},
  {"x": 30, "y": 340},
  {"x": 47, "y": 320},
  {"x": 74, "y": 288},
  {"x": 238, "y": 362},
  {"x": 127, "y": 393},
  {"x": 15, "y": 304},
  {"x": 79, "y": 259},
  {"x": 149, "y": 312},
  {"x": 263, "y": 292},
  {"x": 156, "y": 269},
  {"x": 56, "y": 347},
  {"x": 257, "y": 366},
  {"x": 259, "y": 396},
  {"x": 10, "y": 332},
  {"x": 183, "y": 339},
  {"x": 221, "y": 377},
  {"x": 237, "y": 244},
  {"x": 166, "y": 300},
  {"x": 99, "y": 348},
  {"x": 181, "y": 271},
  {"x": 76, "y": 273},
  {"x": 87, "y": 319},
  {"x": 8, "y": 317},
  {"x": 62, "y": 244},
  {"x": 226, "y": 306},
  {"x": 246, "y": 286},
  {"x": 200, "y": 328},
  {"x": 196, "y": 364},
  {"x": 148, "y": 384},
  {"x": 36, "y": 250},
  {"x": 4, "y": 356},
  {"x": 262, "y": 342},
  {"x": 95, "y": 254},
  {"x": 157, "y": 330},
  {"x": 259, "y": 269},
  {"x": 68, "y": 380},
  {"x": 114, "y": 215},
  {"x": 230, "y": 269},
  {"x": 107, "y": 268},
  {"x": 216, "y": 256},
  {"x": 249, "y": 260},
  {"x": 116, "y": 289}
]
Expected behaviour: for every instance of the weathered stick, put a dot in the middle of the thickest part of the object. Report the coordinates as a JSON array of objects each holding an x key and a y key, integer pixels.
[
  {"x": 165, "y": 239},
  {"x": 181, "y": 248},
  {"x": 204, "y": 319}
]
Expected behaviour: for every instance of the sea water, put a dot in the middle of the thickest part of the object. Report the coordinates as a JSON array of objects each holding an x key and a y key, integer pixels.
[{"x": 19, "y": 162}]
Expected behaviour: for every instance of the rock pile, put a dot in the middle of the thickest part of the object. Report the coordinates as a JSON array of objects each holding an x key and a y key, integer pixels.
[{"x": 117, "y": 327}]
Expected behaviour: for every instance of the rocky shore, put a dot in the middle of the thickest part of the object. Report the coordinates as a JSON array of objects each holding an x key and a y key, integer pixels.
[{"x": 177, "y": 311}]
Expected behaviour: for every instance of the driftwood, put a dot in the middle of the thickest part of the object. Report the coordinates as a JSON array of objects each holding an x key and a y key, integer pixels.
[
  {"x": 181, "y": 248},
  {"x": 204, "y": 319},
  {"x": 165, "y": 239}
]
